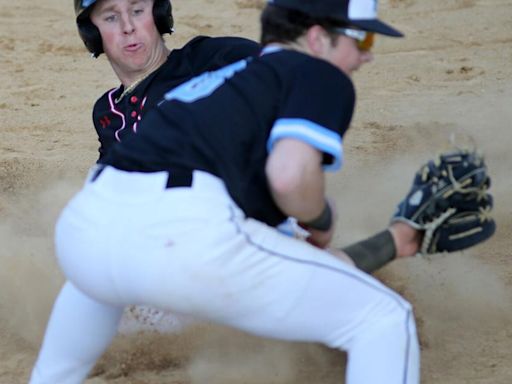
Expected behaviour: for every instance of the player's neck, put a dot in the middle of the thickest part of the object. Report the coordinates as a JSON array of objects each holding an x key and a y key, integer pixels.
[
  {"x": 297, "y": 45},
  {"x": 131, "y": 80},
  {"x": 128, "y": 76},
  {"x": 129, "y": 89}
]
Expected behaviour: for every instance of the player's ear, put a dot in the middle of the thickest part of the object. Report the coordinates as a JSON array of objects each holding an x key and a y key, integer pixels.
[{"x": 317, "y": 40}]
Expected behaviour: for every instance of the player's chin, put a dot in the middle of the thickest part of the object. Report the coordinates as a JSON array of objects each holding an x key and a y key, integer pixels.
[
  {"x": 364, "y": 58},
  {"x": 135, "y": 63},
  {"x": 354, "y": 67},
  {"x": 135, "y": 57}
]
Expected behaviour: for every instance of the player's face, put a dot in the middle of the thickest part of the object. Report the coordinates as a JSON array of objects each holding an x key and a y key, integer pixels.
[
  {"x": 130, "y": 38},
  {"x": 345, "y": 54}
]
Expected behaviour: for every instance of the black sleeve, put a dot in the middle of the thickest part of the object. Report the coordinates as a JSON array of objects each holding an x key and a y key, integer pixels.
[
  {"x": 317, "y": 108},
  {"x": 320, "y": 93}
]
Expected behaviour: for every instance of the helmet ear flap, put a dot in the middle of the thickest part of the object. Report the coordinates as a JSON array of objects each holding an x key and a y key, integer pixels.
[
  {"x": 162, "y": 14},
  {"x": 91, "y": 36}
]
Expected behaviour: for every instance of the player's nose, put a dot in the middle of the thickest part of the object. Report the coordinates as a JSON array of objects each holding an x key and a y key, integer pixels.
[{"x": 127, "y": 24}]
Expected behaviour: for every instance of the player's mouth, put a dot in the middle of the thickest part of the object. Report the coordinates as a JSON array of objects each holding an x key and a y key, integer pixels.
[{"x": 132, "y": 47}]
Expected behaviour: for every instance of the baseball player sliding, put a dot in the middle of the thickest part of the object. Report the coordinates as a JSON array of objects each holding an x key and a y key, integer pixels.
[
  {"x": 146, "y": 69},
  {"x": 182, "y": 215}
]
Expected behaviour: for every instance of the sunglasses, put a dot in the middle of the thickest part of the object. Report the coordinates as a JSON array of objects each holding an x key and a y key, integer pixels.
[{"x": 364, "y": 39}]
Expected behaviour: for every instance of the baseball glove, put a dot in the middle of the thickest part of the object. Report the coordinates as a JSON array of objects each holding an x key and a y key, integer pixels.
[{"x": 449, "y": 201}]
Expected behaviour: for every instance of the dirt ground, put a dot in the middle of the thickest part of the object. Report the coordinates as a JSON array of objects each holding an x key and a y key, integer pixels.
[{"x": 452, "y": 73}]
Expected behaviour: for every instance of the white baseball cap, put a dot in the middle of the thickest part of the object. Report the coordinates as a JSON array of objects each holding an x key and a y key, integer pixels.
[{"x": 358, "y": 13}]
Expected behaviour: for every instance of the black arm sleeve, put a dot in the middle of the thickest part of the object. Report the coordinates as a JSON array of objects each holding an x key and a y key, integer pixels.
[{"x": 373, "y": 253}]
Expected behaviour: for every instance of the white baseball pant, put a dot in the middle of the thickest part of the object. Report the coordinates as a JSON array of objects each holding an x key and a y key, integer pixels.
[{"x": 125, "y": 239}]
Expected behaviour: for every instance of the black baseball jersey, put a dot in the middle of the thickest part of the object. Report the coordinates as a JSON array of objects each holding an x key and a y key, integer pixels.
[
  {"x": 226, "y": 122},
  {"x": 116, "y": 119}
]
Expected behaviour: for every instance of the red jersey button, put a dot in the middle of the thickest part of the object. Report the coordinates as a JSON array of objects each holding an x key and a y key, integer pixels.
[
  {"x": 134, "y": 114},
  {"x": 133, "y": 99}
]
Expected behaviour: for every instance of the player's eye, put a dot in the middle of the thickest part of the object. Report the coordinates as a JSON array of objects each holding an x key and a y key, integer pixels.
[
  {"x": 138, "y": 11},
  {"x": 110, "y": 18}
]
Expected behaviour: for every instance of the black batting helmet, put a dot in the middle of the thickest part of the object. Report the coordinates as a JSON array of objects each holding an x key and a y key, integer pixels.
[{"x": 162, "y": 14}]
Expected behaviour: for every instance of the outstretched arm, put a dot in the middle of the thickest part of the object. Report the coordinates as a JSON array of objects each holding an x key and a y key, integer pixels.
[{"x": 371, "y": 254}]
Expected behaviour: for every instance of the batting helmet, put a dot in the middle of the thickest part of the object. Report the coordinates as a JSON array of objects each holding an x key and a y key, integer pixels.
[{"x": 162, "y": 14}]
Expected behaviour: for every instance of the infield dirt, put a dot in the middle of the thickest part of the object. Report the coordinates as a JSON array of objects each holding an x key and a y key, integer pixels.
[{"x": 452, "y": 73}]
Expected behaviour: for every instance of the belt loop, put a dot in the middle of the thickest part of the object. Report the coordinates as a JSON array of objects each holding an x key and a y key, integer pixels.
[
  {"x": 179, "y": 178},
  {"x": 97, "y": 172}
]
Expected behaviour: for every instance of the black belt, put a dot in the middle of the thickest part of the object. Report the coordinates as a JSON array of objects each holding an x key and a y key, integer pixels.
[{"x": 175, "y": 178}]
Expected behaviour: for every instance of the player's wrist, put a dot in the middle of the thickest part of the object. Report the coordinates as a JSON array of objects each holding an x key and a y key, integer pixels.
[
  {"x": 373, "y": 253},
  {"x": 323, "y": 222},
  {"x": 406, "y": 238}
]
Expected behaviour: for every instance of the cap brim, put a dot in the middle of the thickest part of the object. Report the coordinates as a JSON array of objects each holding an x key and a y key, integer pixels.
[{"x": 377, "y": 26}]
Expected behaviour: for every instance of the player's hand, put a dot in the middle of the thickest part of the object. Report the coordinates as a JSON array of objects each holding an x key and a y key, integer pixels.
[{"x": 320, "y": 239}]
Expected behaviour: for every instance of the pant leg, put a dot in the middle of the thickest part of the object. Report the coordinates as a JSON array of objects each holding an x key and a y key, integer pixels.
[
  {"x": 347, "y": 309},
  {"x": 376, "y": 328},
  {"x": 344, "y": 308},
  {"x": 279, "y": 287},
  {"x": 78, "y": 332},
  {"x": 386, "y": 350}
]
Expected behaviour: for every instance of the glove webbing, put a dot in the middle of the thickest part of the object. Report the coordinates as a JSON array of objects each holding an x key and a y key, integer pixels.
[{"x": 431, "y": 227}]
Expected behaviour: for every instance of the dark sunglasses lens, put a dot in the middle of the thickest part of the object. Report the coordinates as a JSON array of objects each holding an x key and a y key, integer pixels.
[{"x": 367, "y": 43}]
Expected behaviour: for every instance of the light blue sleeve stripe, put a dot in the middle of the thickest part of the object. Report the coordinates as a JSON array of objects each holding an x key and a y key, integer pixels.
[{"x": 319, "y": 137}]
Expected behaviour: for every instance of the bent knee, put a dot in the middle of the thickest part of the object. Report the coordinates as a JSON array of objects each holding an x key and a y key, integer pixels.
[{"x": 389, "y": 318}]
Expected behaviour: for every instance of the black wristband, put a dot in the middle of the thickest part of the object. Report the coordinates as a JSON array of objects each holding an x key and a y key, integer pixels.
[
  {"x": 323, "y": 222},
  {"x": 372, "y": 253}
]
